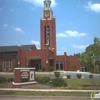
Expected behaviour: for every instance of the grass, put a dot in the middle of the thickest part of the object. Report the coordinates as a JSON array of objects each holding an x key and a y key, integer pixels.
[
  {"x": 86, "y": 94},
  {"x": 7, "y": 84},
  {"x": 79, "y": 84},
  {"x": 7, "y": 76},
  {"x": 84, "y": 84}
]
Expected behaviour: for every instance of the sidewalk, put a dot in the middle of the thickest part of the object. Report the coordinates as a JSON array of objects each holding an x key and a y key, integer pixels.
[{"x": 46, "y": 90}]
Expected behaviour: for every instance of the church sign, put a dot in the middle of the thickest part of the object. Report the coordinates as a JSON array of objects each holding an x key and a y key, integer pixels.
[{"x": 23, "y": 76}]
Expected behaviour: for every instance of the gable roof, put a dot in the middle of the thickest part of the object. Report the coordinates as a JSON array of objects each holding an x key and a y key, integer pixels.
[{"x": 15, "y": 48}]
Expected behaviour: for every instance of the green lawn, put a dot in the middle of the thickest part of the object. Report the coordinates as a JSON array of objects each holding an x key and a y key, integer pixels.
[
  {"x": 82, "y": 83},
  {"x": 71, "y": 84},
  {"x": 77, "y": 84},
  {"x": 81, "y": 94}
]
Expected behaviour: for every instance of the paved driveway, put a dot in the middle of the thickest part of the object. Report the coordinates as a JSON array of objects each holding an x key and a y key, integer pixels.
[{"x": 64, "y": 73}]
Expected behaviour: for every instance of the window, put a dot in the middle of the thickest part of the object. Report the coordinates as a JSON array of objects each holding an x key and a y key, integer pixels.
[
  {"x": 61, "y": 65},
  {"x": 57, "y": 65},
  {"x": 48, "y": 41},
  {"x": 48, "y": 35},
  {"x": 47, "y": 28},
  {"x": 4, "y": 63},
  {"x": 45, "y": 33},
  {"x": 10, "y": 62},
  {"x": 83, "y": 69}
]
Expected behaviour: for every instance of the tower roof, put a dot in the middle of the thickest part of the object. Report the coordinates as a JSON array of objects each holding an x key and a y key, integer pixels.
[{"x": 47, "y": 4}]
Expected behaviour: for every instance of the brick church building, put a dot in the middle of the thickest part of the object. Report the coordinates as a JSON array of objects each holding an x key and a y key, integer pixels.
[{"x": 30, "y": 56}]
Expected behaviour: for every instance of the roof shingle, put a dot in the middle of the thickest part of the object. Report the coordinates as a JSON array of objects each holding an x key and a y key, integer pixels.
[{"x": 15, "y": 48}]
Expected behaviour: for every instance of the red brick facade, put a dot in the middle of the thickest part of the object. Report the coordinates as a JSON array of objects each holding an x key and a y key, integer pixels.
[
  {"x": 46, "y": 56},
  {"x": 7, "y": 61}
]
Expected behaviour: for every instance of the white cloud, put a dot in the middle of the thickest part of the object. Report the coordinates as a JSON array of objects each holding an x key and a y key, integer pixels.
[
  {"x": 39, "y": 3},
  {"x": 94, "y": 7},
  {"x": 61, "y": 35},
  {"x": 18, "y": 29},
  {"x": 38, "y": 47},
  {"x": 80, "y": 46},
  {"x": 5, "y": 25},
  {"x": 70, "y": 33},
  {"x": 35, "y": 42}
]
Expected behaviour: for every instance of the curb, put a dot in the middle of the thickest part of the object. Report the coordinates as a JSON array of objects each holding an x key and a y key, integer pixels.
[{"x": 46, "y": 90}]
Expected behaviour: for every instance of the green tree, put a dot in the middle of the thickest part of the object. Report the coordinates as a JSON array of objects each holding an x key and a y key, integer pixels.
[{"x": 90, "y": 58}]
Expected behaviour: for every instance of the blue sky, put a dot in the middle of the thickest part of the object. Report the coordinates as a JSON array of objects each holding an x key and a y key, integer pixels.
[{"x": 77, "y": 22}]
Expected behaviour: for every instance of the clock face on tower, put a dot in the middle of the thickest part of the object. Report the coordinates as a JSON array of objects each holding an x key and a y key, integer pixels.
[{"x": 46, "y": 14}]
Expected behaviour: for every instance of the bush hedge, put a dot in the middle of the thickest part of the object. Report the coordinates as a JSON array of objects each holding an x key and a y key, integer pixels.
[
  {"x": 50, "y": 68},
  {"x": 43, "y": 69},
  {"x": 3, "y": 79},
  {"x": 58, "y": 82},
  {"x": 78, "y": 75},
  {"x": 10, "y": 79},
  {"x": 43, "y": 80},
  {"x": 57, "y": 74},
  {"x": 68, "y": 76},
  {"x": 90, "y": 76}
]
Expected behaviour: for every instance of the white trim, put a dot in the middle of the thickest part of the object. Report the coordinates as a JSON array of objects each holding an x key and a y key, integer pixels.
[
  {"x": 24, "y": 68},
  {"x": 49, "y": 19},
  {"x": 4, "y": 63},
  {"x": 19, "y": 46},
  {"x": 25, "y": 83},
  {"x": 10, "y": 67},
  {"x": 43, "y": 19}
]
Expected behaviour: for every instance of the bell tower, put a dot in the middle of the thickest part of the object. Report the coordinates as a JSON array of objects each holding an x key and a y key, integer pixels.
[{"x": 48, "y": 27}]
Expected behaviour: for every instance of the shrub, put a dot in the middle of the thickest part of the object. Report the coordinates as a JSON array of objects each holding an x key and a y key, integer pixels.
[
  {"x": 90, "y": 76},
  {"x": 43, "y": 69},
  {"x": 50, "y": 68},
  {"x": 43, "y": 79},
  {"x": 3, "y": 79},
  {"x": 68, "y": 76},
  {"x": 10, "y": 79},
  {"x": 79, "y": 75},
  {"x": 57, "y": 82},
  {"x": 57, "y": 74},
  {"x": 39, "y": 70}
]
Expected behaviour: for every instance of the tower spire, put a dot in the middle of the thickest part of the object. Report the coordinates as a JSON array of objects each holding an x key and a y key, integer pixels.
[{"x": 47, "y": 4}]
